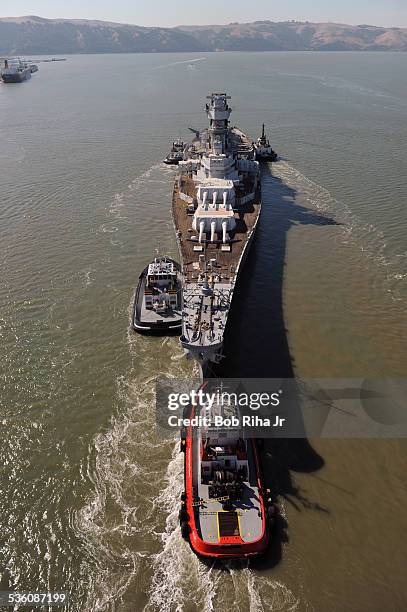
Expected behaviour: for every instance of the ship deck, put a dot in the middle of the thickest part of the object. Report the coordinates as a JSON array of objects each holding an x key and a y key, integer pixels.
[
  {"x": 172, "y": 316},
  {"x": 227, "y": 260},
  {"x": 143, "y": 316},
  {"x": 246, "y": 512}
]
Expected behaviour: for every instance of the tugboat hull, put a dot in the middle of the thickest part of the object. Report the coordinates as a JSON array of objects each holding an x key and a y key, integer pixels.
[
  {"x": 171, "y": 162},
  {"x": 229, "y": 542},
  {"x": 267, "y": 157}
]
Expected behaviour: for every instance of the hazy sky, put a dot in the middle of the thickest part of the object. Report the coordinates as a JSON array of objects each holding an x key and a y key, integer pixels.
[{"x": 177, "y": 12}]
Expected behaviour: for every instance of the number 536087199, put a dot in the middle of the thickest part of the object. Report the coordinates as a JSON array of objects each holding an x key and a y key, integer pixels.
[{"x": 51, "y": 598}]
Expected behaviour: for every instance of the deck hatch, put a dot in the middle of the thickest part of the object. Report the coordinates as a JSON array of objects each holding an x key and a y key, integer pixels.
[{"x": 228, "y": 523}]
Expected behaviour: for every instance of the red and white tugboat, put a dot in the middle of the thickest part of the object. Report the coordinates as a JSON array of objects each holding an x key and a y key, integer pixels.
[{"x": 225, "y": 510}]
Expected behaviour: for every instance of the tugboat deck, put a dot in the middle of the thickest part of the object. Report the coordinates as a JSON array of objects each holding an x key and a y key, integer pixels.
[
  {"x": 244, "y": 513},
  {"x": 149, "y": 315}
]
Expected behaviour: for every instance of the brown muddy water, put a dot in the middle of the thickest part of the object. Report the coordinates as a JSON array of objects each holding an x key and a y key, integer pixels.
[{"x": 89, "y": 492}]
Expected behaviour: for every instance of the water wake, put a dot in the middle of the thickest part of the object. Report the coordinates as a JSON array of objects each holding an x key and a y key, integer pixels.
[
  {"x": 190, "y": 61},
  {"x": 369, "y": 238},
  {"x": 121, "y": 199}
]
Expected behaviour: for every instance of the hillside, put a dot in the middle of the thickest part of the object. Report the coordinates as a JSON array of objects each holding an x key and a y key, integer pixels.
[
  {"x": 35, "y": 35},
  {"x": 296, "y": 36}
]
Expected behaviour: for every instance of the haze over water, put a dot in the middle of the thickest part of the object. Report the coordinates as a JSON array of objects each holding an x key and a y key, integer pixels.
[{"x": 90, "y": 493}]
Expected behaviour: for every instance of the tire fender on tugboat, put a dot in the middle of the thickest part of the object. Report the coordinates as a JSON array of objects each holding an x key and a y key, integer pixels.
[{"x": 184, "y": 518}]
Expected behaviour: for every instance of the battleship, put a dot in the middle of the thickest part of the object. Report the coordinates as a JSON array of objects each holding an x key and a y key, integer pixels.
[{"x": 216, "y": 206}]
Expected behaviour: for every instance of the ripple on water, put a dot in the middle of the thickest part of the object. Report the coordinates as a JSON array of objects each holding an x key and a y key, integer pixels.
[{"x": 367, "y": 237}]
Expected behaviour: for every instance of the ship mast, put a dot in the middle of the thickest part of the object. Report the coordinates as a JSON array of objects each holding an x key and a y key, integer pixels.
[{"x": 218, "y": 112}]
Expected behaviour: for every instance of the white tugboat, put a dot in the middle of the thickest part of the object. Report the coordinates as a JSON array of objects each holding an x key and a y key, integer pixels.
[
  {"x": 157, "y": 302},
  {"x": 216, "y": 206},
  {"x": 264, "y": 151},
  {"x": 176, "y": 154}
]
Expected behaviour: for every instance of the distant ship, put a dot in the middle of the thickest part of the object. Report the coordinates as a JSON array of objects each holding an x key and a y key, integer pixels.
[
  {"x": 216, "y": 206},
  {"x": 263, "y": 149},
  {"x": 15, "y": 71}
]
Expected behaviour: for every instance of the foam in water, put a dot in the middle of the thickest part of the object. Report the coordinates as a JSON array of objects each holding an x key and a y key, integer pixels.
[
  {"x": 121, "y": 522},
  {"x": 121, "y": 199},
  {"x": 136, "y": 537},
  {"x": 130, "y": 523},
  {"x": 190, "y": 61}
]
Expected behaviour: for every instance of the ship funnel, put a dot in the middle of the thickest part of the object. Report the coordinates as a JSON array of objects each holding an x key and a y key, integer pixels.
[
  {"x": 224, "y": 230},
  {"x": 213, "y": 228},
  {"x": 204, "y": 198},
  {"x": 201, "y": 230}
]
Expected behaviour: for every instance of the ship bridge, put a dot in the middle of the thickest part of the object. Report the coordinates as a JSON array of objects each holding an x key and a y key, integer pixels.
[
  {"x": 217, "y": 166},
  {"x": 218, "y": 112},
  {"x": 218, "y": 108}
]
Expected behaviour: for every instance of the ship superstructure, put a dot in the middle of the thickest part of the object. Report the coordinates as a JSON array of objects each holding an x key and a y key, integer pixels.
[
  {"x": 216, "y": 205},
  {"x": 15, "y": 70}
]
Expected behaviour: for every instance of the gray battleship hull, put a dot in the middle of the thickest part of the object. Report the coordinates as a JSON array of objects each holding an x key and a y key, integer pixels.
[{"x": 216, "y": 207}]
